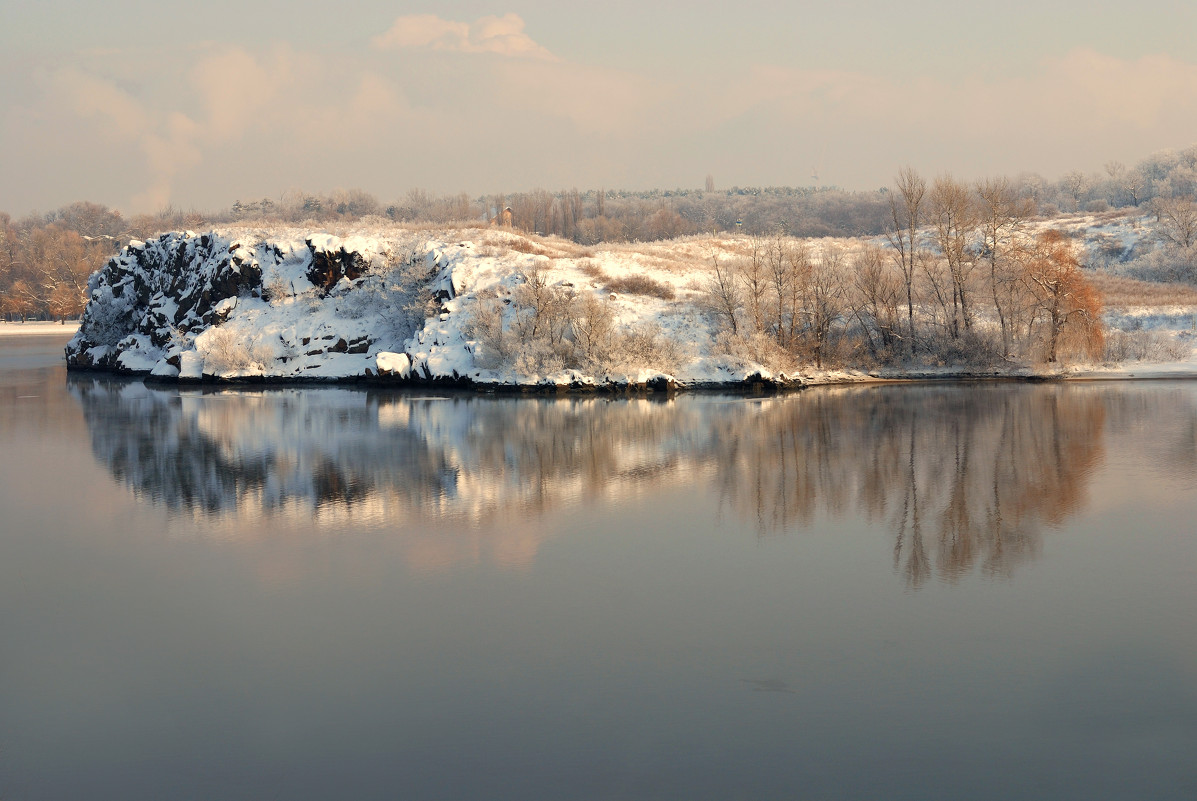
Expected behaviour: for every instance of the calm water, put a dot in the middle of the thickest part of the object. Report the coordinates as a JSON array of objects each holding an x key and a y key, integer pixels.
[{"x": 916, "y": 592}]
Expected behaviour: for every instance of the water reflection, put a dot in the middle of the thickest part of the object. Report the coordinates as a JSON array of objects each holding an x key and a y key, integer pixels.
[{"x": 963, "y": 478}]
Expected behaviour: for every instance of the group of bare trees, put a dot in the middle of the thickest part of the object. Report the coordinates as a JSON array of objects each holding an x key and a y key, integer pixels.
[
  {"x": 779, "y": 298},
  {"x": 962, "y": 281},
  {"x": 944, "y": 218},
  {"x": 46, "y": 259},
  {"x": 45, "y": 262}
]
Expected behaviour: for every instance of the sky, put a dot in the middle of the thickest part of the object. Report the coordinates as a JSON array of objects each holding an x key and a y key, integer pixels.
[{"x": 140, "y": 105}]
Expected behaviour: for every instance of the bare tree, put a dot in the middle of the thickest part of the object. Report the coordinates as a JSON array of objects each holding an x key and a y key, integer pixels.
[
  {"x": 1053, "y": 274},
  {"x": 905, "y": 206},
  {"x": 955, "y": 218},
  {"x": 723, "y": 295},
  {"x": 878, "y": 296},
  {"x": 785, "y": 274},
  {"x": 1177, "y": 221},
  {"x": 1002, "y": 214},
  {"x": 824, "y": 301},
  {"x": 754, "y": 277},
  {"x": 1076, "y": 185},
  {"x": 593, "y": 327}
]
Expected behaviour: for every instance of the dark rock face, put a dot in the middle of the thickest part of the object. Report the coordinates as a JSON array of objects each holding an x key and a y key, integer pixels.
[
  {"x": 156, "y": 290},
  {"x": 661, "y": 383},
  {"x": 329, "y": 266}
]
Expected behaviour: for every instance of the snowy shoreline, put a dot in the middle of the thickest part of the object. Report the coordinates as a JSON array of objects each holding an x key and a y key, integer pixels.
[
  {"x": 751, "y": 386},
  {"x": 38, "y": 328},
  {"x": 403, "y": 308}
]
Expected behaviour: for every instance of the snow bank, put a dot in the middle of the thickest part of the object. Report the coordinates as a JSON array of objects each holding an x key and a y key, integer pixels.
[{"x": 404, "y": 306}]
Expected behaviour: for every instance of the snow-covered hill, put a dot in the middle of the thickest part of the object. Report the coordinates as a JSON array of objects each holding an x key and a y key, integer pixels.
[
  {"x": 402, "y": 307},
  {"x": 482, "y": 307}
]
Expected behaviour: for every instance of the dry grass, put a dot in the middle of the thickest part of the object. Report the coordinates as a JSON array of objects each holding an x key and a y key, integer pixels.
[
  {"x": 628, "y": 284},
  {"x": 528, "y": 246},
  {"x": 641, "y": 285},
  {"x": 505, "y": 240},
  {"x": 589, "y": 268},
  {"x": 1119, "y": 291}
]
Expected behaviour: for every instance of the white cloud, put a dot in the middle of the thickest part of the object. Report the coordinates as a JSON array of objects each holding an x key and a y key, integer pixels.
[{"x": 502, "y": 36}]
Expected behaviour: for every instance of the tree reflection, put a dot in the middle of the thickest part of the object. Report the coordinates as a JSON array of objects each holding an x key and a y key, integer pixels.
[{"x": 963, "y": 478}]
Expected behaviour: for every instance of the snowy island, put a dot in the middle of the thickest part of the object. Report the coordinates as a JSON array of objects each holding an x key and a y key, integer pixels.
[{"x": 492, "y": 309}]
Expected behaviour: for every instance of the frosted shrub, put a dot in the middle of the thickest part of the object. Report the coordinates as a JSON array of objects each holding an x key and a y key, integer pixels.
[
  {"x": 226, "y": 351},
  {"x": 107, "y": 320},
  {"x": 540, "y": 358},
  {"x": 542, "y": 310},
  {"x": 646, "y": 346},
  {"x": 276, "y": 288},
  {"x": 1166, "y": 264},
  {"x": 971, "y": 348},
  {"x": 1143, "y": 346},
  {"x": 486, "y": 326},
  {"x": 755, "y": 347},
  {"x": 593, "y": 326}
]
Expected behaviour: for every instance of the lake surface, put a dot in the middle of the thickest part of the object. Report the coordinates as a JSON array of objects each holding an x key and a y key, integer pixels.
[{"x": 923, "y": 592}]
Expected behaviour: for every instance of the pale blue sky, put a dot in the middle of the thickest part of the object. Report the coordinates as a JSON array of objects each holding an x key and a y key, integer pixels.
[{"x": 136, "y": 103}]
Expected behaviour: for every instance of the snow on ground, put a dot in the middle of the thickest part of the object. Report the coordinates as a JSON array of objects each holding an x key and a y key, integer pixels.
[
  {"x": 291, "y": 329},
  {"x": 39, "y": 328}
]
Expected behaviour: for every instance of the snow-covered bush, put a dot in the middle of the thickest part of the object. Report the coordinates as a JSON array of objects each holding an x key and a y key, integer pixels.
[
  {"x": 756, "y": 347},
  {"x": 226, "y": 350},
  {"x": 646, "y": 346},
  {"x": 276, "y": 288},
  {"x": 485, "y": 325},
  {"x": 1143, "y": 346}
]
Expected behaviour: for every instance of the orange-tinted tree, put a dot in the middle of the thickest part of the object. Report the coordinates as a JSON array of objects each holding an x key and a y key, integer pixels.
[{"x": 1068, "y": 303}]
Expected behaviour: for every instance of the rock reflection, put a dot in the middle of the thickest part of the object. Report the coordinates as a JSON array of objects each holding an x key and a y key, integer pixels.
[
  {"x": 381, "y": 454},
  {"x": 964, "y": 478}
]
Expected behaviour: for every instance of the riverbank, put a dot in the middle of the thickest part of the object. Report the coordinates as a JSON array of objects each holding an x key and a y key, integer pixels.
[
  {"x": 38, "y": 328},
  {"x": 496, "y": 311}
]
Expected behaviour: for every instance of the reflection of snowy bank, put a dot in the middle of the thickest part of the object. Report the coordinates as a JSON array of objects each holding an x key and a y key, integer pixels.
[
  {"x": 963, "y": 476},
  {"x": 373, "y": 455}
]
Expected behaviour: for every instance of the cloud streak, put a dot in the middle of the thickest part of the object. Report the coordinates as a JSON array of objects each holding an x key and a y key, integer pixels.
[
  {"x": 220, "y": 122},
  {"x": 502, "y": 36}
]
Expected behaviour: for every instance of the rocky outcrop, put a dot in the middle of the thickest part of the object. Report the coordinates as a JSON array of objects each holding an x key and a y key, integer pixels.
[
  {"x": 157, "y": 292},
  {"x": 395, "y": 309},
  {"x": 207, "y": 306},
  {"x": 331, "y": 262}
]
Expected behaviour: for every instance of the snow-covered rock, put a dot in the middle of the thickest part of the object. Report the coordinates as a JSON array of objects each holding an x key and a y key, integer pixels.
[{"x": 302, "y": 306}]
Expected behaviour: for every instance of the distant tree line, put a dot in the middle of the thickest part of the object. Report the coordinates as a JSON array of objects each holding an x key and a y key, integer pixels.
[
  {"x": 45, "y": 259},
  {"x": 606, "y": 215}
]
